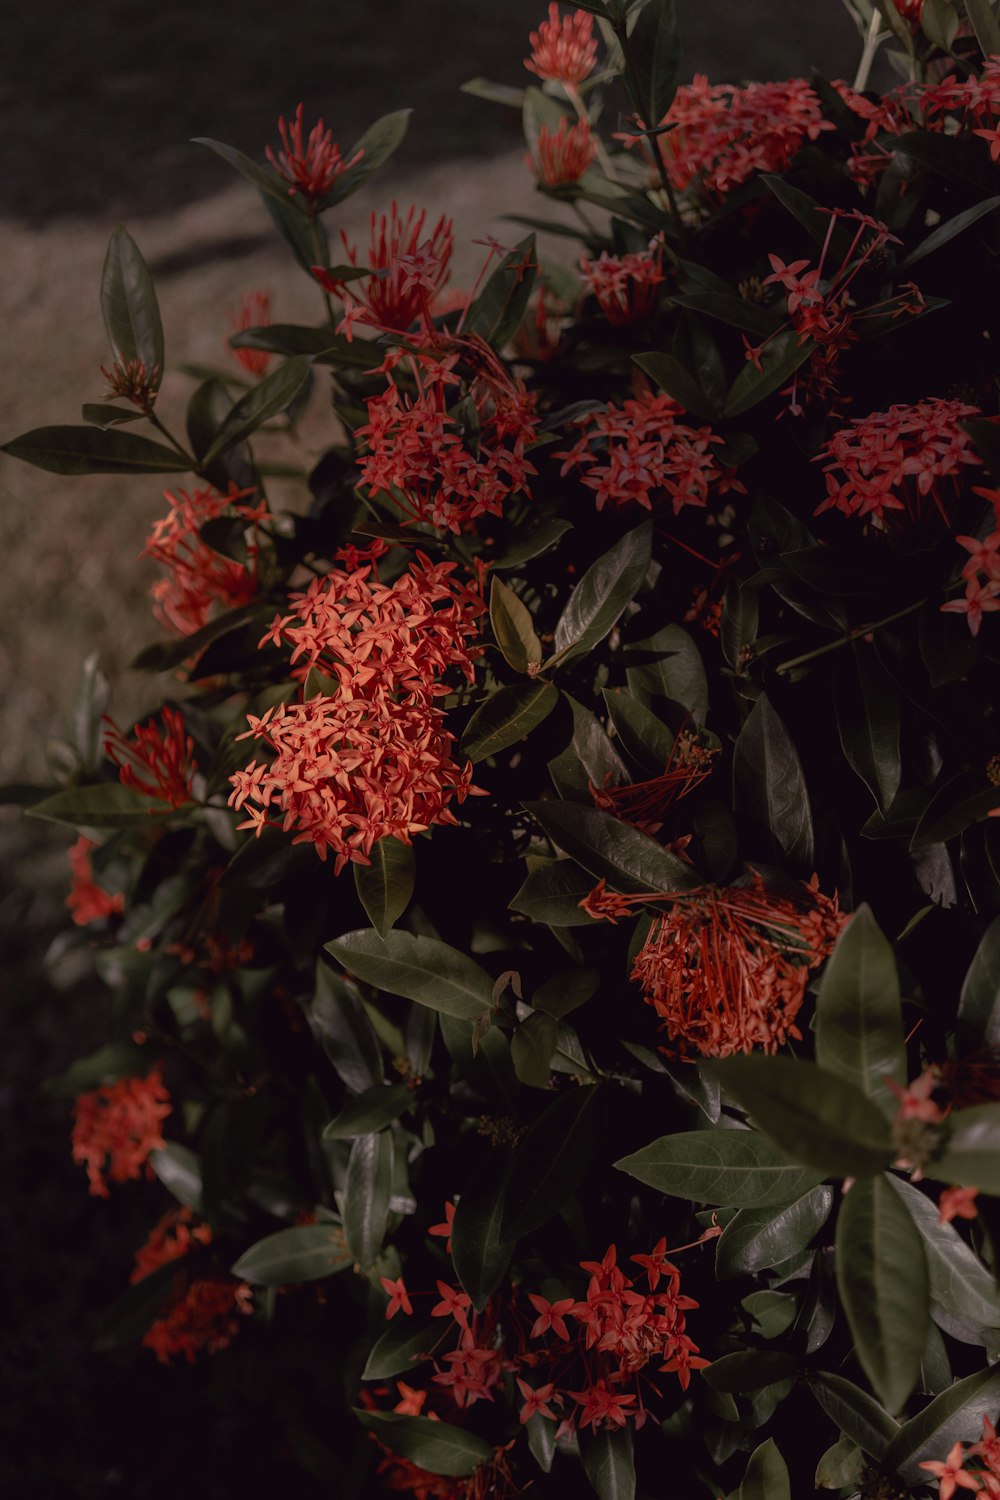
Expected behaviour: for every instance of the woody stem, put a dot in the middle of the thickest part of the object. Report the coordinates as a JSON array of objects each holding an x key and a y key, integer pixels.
[{"x": 851, "y": 635}]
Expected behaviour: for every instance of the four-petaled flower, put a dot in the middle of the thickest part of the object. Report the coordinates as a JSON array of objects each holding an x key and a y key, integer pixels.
[
  {"x": 550, "y": 1315},
  {"x": 957, "y": 1203},
  {"x": 951, "y": 1474},
  {"x": 536, "y": 1400},
  {"x": 399, "y": 1298}
]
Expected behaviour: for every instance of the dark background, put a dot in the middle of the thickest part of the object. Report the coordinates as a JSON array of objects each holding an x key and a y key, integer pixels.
[{"x": 97, "y": 105}]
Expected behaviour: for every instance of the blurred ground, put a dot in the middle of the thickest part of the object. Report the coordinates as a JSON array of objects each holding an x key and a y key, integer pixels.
[{"x": 97, "y": 104}]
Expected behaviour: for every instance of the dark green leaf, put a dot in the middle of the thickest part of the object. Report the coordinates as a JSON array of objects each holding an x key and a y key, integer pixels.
[
  {"x": 367, "y": 1190},
  {"x": 401, "y": 1346},
  {"x": 507, "y": 715},
  {"x": 766, "y": 1477},
  {"x": 553, "y": 893},
  {"x": 629, "y": 860},
  {"x": 668, "y": 665},
  {"x": 736, "y": 1168},
  {"x": 93, "y": 450},
  {"x": 972, "y": 1150},
  {"x": 813, "y": 1116},
  {"x": 949, "y": 229},
  {"x": 263, "y": 178},
  {"x": 859, "y": 1019},
  {"x": 128, "y": 302},
  {"x": 179, "y": 1170},
  {"x": 780, "y": 358},
  {"x": 608, "y": 1462},
  {"x": 385, "y": 886},
  {"x": 645, "y": 737},
  {"x": 963, "y": 800},
  {"x": 106, "y": 805},
  {"x": 603, "y": 592},
  {"x": 551, "y": 1160},
  {"x": 951, "y": 156},
  {"x": 103, "y": 414},
  {"x": 590, "y": 757},
  {"x": 325, "y": 346},
  {"x": 959, "y": 1282},
  {"x": 655, "y": 54},
  {"x": 883, "y": 1285},
  {"x": 564, "y": 993},
  {"x": 308, "y": 1253},
  {"x": 435, "y": 1446},
  {"x": 956, "y": 1416},
  {"x": 671, "y": 376},
  {"x": 985, "y": 25},
  {"x": 979, "y": 1006},
  {"x": 939, "y": 23},
  {"x": 759, "y": 1238},
  {"x": 496, "y": 313},
  {"x": 267, "y": 398},
  {"x": 343, "y": 1028},
  {"x": 378, "y": 143},
  {"x": 810, "y": 214},
  {"x": 840, "y": 1466},
  {"x": 855, "y": 1413},
  {"x": 373, "y": 1110},
  {"x": 750, "y": 1369},
  {"x": 480, "y": 1250},
  {"x": 533, "y": 545},
  {"x": 531, "y": 1049},
  {"x": 770, "y": 788},
  {"x": 418, "y": 968},
  {"x": 868, "y": 721},
  {"x": 513, "y": 627}
]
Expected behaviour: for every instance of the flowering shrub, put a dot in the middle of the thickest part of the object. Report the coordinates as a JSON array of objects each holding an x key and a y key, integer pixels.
[{"x": 580, "y": 810}]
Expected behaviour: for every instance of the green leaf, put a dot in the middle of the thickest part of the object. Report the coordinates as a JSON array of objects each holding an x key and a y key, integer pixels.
[
  {"x": 267, "y": 398},
  {"x": 735, "y": 1168},
  {"x": 480, "y": 1251},
  {"x": 939, "y": 23},
  {"x": 985, "y": 25},
  {"x": 553, "y": 893},
  {"x": 367, "y": 1190},
  {"x": 179, "y": 1169},
  {"x": 766, "y": 1477},
  {"x": 950, "y": 228},
  {"x": 435, "y": 1446},
  {"x": 507, "y": 715},
  {"x": 94, "y": 450},
  {"x": 514, "y": 628},
  {"x": 373, "y": 1110},
  {"x": 590, "y": 757},
  {"x": 293, "y": 1255},
  {"x": 971, "y": 1155},
  {"x": 106, "y": 805},
  {"x": 537, "y": 541},
  {"x": 868, "y": 722},
  {"x": 532, "y": 1047},
  {"x": 859, "y": 1018},
  {"x": 608, "y": 1462},
  {"x": 668, "y": 665},
  {"x": 378, "y": 143},
  {"x": 565, "y": 992},
  {"x": 770, "y": 788},
  {"x": 645, "y": 737},
  {"x": 963, "y": 800},
  {"x": 403, "y": 1344},
  {"x": 103, "y": 414},
  {"x": 813, "y": 1116},
  {"x": 655, "y": 54},
  {"x": 418, "y": 968},
  {"x": 959, "y": 1282},
  {"x": 759, "y": 1238},
  {"x": 750, "y": 1369},
  {"x": 956, "y": 1416},
  {"x": 979, "y": 1006},
  {"x": 325, "y": 346},
  {"x": 128, "y": 302},
  {"x": 605, "y": 589},
  {"x": 883, "y": 1284},
  {"x": 781, "y": 357},
  {"x": 496, "y": 313},
  {"x": 671, "y": 376},
  {"x": 630, "y": 861},
  {"x": 137, "y": 1308},
  {"x": 263, "y": 178},
  {"x": 840, "y": 1466},
  {"x": 345, "y": 1032},
  {"x": 856, "y": 1413},
  {"x": 551, "y": 1160},
  {"x": 385, "y": 886}
]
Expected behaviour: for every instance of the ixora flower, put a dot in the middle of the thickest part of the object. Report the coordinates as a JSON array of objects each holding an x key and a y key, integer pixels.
[
  {"x": 563, "y": 49},
  {"x": 204, "y": 1319},
  {"x": 87, "y": 901},
  {"x": 408, "y": 273},
  {"x": 309, "y": 164},
  {"x": 131, "y": 380},
  {"x": 562, "y": 155},
  {"x": 116, "y": 1126},
  {"x": 158, "y": 760},
  {"x": 254, "y": 311},
  {"x": 169, "y": 1240},
  {"x": 625, "y": 285},
  {"x": 197, "y": 576}
]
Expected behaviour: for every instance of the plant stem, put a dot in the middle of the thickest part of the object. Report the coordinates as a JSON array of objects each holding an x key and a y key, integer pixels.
[
  {"x": 873, "y": 40},
  {"x": 177, "y": 447},
  {"x": 621, "y": 32},
  {"x": 851, "y": 635}
]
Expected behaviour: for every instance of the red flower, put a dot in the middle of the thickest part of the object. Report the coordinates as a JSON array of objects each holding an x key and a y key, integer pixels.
[
  {"x": 550, "y": 1315},
  {"x": 411, "y": 1402},
  {"x": 909, "y": 9},
  {"x": 204, "y": 1319},
  {"x": 198, "y": 576},
  {"x": 625, "y": 285},
  {"x": 399, "y": 1299},
  {"x": 254, "y": 312},
  {"x": 169, "y": 1240},
  {"x": 88, "y": 901},
  {"x": 535, "y": 1400},
  {"x": 444, "y": 1230},
  {"x": 644, "y": 804},
  {"x": 951, "y": 1474},
  {"x": 563, "y": 155},
  {"x": 116, "y": 1126},
  {"x": 605, "y": 905},
  {"x": 409, "y": 272},
  {"x": 980, "y": 599},
  {"x": 158, "y": 760},
  {"x": 130, "y": 380},
  {"x": 310, "y": 165},
  {"x": 958, "y": 1203},
  {"x": 454, "y": 1304},
  {"x": 563, "y": 50}
]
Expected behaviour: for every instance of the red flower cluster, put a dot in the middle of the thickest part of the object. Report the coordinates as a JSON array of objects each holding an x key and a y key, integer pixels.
[
  {"x": 625, "y": 285},
  {"x": 310, "y": 165},
  {"x": 648, "y": 452},
  {"x": 205, "y": 1319},
  {"x": 644, "y": 804},
  {"x": 564, "y": 154},
  {"x": 722, "y": 134},
  {"x": 169, "y": 1240},
  {"x": 894, "y": 461},
  {"x": 116, "y": 1126},
  {"x": 254, "y": 311},
  {"x": 88, "y": 901},
  {"x": 407, "y": 273},
  {"x": 981, "y": 570},
  {"x": 198, "y": 577},
  {"x": 130, "y": 380},
  {"x": 563, "y": 50},
  {"x": 420, "y": 455},
  {"x": 984, "y": 1479},
  {"x": 976, "y": 101},
  {"x": 158, "y": 760},
  {"x": 726, "y": 968}
]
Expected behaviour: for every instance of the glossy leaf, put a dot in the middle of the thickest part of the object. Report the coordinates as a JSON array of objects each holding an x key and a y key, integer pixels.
[
  {"x": 655, "y": 52},
  {"x": 750, "y": 1369},
  {"x": 979, "y": 1006},
  {"x": 179, "y": 1169},
  {"x": 951, "y": 227},
  {"x": 644, "y": 737},
  {"x": 367, "y": 1190},
  {"x": 404, "y": 1343},
  {"x": 436, "y": 1446},
  {"x": 882, "y": 1280},
  {"x": 964, "y": 799},
  {"x": 94, "y": 450},
  {"x": 780, "y": 357},
  {"x": 308, "y": 1253},
  {"x": 128, "y": 302},
  {"x": 507, "y": 716},
  {"x": 263, "y": 178},
  {"x": 385, "y": 886},
  {"x": 868, "y": 722},
  {"x": 956, "y": 1416},
  {"x": 591, "y": 756},
  {"x": 418, "y": 968},
  {"x": 630, "y": 861},
  {"x": 959, "y": 1282},
  {"x": 378, "y": 143},
  {"x": 605, "y": 589},
  {"x": 855, "y": 1412},
  {"x": 971, "y": 1155},
  {"x": 668, "y": 665},
  {"x": 859, "y": 1019},
  {"x": 513, "y": 627},
  {"x": 266, "y": 399},
  {"x": 496, "y": 314},
  {"x": 759, "y": 1238},
  {"x": 985, "y": 25},
  {"x": 608, "y": 1462},
  {"x": 106, "y": 805},
  {"x": 550, "y": 1161},
  {"x": 481, "y": 1250},
  {"x": 532, "y": 1047},
  {"x": 339, "y": 1020},
  {"x": 766, "y": 1477},
  {"x": 737, "y": 1168},
  {"x": 552, "y": 894},
  {"x": 840, "y": 1466},
  {"x": 373, "y": 1110},
  {"x": 670, "y": 375},
  {"x": 813, "y": 1116},
  {"x": 770, "y": 788}
]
